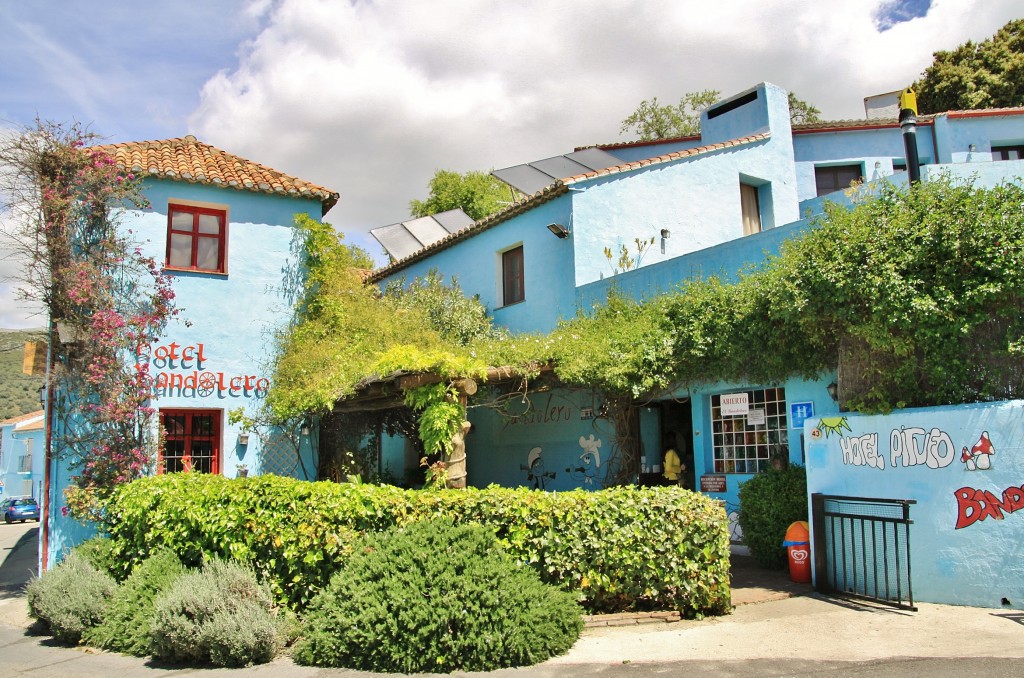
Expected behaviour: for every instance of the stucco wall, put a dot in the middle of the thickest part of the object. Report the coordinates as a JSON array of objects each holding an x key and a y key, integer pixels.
[
  {"x": 797, "y": 391},
  {"x": 547, "y": 440},
  {"x": 16, "y": 442},
  {"x": 547, "y": 264},
  {"x": 696, "y": 198},
  {"x": 956, "y": 134},
  {"x": 967, "y": 537},
  {"x": 215, "y": 355}
]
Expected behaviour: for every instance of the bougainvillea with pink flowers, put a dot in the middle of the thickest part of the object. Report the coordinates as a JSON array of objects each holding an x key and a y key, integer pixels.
[{"x": 106, "y": 301}]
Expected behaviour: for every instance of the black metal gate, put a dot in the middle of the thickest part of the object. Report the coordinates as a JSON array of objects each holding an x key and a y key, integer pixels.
[{"x": 862, "y": 548}]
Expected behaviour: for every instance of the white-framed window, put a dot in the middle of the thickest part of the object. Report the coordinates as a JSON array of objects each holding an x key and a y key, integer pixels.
[
  {"x": 25, "y": 460},
  {"x": 743, "y": 447}
]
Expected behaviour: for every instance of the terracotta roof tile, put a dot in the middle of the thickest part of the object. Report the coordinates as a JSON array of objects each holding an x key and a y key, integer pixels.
[
  {"x": 668, "y": 157},
  {"x": 27, "y": 428},
  {"x": 21, "y": 417},
  {"x": 188, "y": 159},
  {"x": 544, "y": 195}
]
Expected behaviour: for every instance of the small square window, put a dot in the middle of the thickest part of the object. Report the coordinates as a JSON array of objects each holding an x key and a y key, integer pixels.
[
  {"x": 196, "y": 238},
  {"x": 513, "y": 286},
  {"x": 1008, "y": 152},
  {"x": 834, "y": 178},
  {"x": 741, "y": 446}
]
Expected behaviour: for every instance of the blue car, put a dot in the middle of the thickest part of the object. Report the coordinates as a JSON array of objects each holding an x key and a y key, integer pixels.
[{"x": 24, "y": 508}]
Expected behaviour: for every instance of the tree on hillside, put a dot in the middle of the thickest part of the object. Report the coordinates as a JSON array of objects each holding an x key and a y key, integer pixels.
[
  {"x": 988, "y": 74},
  {"x": 479, "y": 194},
  {"x": 651, "y": 120}
]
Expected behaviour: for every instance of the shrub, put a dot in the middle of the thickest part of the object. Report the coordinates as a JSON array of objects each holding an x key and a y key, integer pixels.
[
  {"x": 219, "y": 615},
  {"x": 99, "y": 552},
  {"x": 436, "y": 597},
  {"x": 126, "y": 626},
  {"x": 769, "y": 503},
  {"x": 71, "y": 598},
  {"x": 617, "y": 549}
]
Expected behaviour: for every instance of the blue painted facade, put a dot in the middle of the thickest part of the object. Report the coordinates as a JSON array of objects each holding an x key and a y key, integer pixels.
[
  {"x": 964, "y": 468},
  {"x": 691, "y": 189},
  {"x": 22, "y": 456},
  {"x": 215, "y": 356}
]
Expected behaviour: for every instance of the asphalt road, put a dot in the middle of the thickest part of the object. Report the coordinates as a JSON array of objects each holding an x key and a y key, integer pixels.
[
  {"x": 18, "y": 556},
  {"x": 807, "y": 635}
]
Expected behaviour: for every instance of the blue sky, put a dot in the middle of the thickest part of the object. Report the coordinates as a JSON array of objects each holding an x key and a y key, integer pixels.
[
  {"x": 895, "y": 12},
  {"x": 133, "y": 70},
  {"x": 369, "y": 98}
]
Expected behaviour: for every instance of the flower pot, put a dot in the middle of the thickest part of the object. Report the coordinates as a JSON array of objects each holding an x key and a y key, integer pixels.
[{"x": 243, "y": 472}]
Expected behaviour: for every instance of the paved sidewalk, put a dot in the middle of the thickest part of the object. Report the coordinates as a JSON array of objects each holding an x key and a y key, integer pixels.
[{"x": 777, "y": 628}]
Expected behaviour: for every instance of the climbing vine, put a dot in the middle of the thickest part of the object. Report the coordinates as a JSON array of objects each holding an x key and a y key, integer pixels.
[
  {"x": 106, "y": 300},
  {"x": 919, "y": 292},
  {"x": 441, "y": 415}
]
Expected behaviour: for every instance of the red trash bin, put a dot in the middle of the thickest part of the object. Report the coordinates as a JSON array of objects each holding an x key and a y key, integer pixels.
[{"x": 798, "y": 545}]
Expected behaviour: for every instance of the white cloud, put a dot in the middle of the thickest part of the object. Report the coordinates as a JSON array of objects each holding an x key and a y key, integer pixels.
[{"x": 370, "y": 98}]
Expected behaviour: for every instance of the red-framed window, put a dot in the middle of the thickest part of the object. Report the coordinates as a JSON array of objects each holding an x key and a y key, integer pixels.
[
  {"x": 513, "y": 286},
  {"x": 191, "y": 441},
  {"x": 195, "y": 238}
]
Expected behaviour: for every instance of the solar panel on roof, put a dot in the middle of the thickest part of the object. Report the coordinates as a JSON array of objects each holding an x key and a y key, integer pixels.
[
  {"x": 397, "y": 240},
  {"x": 540, "y": 174},
  {"x": 405, "y": 238},
  {"x": 524, "y": 178},
  {"x": 559, "y": 167},
  {"x": 595, "y": 158},
  {"x": 453, "y": 220},
  {"x": 425, "y": 229}
]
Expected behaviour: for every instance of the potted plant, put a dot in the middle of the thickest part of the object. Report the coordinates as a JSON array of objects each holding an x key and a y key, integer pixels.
[{"x": 241, "y": 470}]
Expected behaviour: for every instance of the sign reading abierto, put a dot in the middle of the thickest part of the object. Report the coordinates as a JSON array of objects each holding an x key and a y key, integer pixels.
[{"x": 734, "y": 404}]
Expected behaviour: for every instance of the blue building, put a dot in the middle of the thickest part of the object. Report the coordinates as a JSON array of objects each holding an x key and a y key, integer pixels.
[
  {"x": 223, "y": 227},
  {"x": 709, "y": 205},
  {"x": 21, "y": 456}
]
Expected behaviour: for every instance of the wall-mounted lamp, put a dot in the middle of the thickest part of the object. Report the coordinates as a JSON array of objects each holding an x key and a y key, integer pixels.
[
  {"x": 560, "y": 232},
  {"x": 665, "y": 235},
  {"x": 243, "y": 439},
  {"x": 304, "y": 430},
  {"x": 42, "y": 396},
  {"x": 972, "y": 148},
  {"x": 833, "y": 391}
]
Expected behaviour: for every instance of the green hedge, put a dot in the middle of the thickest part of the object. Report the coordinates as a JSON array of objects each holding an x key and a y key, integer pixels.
[
  {"x": 617, "y": 549},
  {"x": 770, "y": 502}
]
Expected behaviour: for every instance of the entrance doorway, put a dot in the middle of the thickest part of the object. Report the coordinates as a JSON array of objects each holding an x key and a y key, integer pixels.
[{"x": 677, "y": 431}]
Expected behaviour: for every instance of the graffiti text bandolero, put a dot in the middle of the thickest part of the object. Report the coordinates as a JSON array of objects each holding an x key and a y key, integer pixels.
[
  {"x": 974, "y": 505},
  {"x": 181, "y": 370}
]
